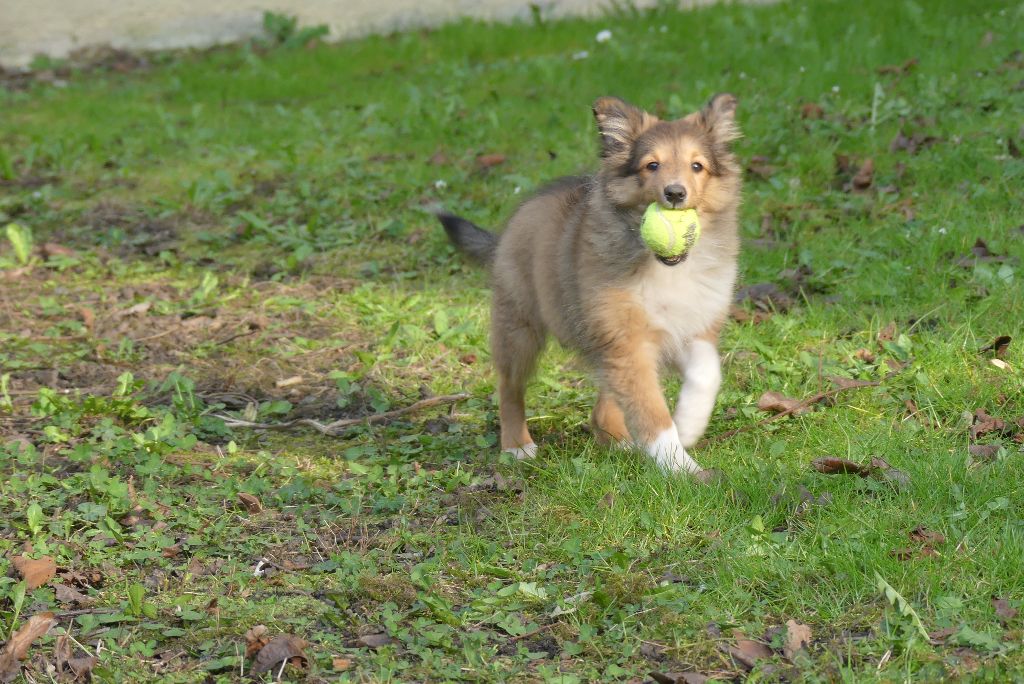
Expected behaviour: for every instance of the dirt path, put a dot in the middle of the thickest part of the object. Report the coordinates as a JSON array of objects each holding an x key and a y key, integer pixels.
[{"x": 57, "y": 27}]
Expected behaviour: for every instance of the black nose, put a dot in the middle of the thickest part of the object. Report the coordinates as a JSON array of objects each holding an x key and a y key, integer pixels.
[{"x": 675, "y": 193}]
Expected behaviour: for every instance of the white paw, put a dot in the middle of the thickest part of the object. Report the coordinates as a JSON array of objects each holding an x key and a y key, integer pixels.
[
  {"x": 669, "y": 453},
  {"x": 521, "y": 453}
]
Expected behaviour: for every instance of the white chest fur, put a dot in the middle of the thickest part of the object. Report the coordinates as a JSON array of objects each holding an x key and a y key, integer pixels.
[{"x": 685, "y": 300}]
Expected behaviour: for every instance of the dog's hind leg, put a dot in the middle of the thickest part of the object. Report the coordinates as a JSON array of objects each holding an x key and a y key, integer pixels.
[
  {"x": 702, "y": 376},
  {"x": 515, "y": 345}
]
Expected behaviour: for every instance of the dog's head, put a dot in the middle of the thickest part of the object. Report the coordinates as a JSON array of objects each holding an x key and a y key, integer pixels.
[{"x": 686, "y": 163}]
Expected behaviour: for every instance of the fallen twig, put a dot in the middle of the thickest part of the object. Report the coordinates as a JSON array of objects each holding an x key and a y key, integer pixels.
[
  {"x": 339, "y": 426},
  {"x": 809, "y": 401}
]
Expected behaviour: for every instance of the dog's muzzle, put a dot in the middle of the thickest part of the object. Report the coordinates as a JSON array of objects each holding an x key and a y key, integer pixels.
[{"x": 673, "y": 261}]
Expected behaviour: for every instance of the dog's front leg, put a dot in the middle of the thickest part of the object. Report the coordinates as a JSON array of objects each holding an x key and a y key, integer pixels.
[
  {"x": 702, "y": 376},
  {"x": 632, "y": 379}
]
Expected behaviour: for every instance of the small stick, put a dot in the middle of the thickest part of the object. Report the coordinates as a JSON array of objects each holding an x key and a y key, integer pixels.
[{"x": 339, "y": 426}]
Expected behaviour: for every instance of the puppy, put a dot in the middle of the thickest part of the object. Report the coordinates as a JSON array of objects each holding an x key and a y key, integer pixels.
[{"x": 571, "y": 264}]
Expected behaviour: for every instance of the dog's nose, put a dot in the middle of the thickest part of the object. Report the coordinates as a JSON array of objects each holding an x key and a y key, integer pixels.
[{"x": 675, "y": 193}]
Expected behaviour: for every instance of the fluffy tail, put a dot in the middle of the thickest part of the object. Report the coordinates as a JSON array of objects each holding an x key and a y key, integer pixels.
[{"x": 469, "y": 237}]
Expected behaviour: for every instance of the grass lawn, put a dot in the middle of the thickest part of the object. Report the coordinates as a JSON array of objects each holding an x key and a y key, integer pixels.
[{"x": 245, "y": 232}]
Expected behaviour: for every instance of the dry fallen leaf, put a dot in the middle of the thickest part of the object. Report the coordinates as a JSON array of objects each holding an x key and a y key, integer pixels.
[
  {"x": 864, "y": 355},
  {"x": 779, "y": 403},
  {"x": 341, "y": 664},
  {"x": 984, "y": 424},
  {"x": 69, "y": 595},
  {"x": 35, "y": 571},
  {"x": 764, "y": 296},
  {"x": 906, "y": 553},
  {"x": 255, "y": 639},
  {"x": 375, "y": 640},
  {"x": 923, "y": 534},
  {"x": 486, "y": 161},
  {"x": 830, "y": 465},
  {"x": 17, "y": 646},
  {"x": 986, "y": 452},
  {"x": 865, "y": 175},
  {"x": 747, "y": 652},
  {"x": 850, "y": 383},
  {"x": 250, "y": 502},
  {"x": 761, "y": 167},
  {"x": 798, "y": 638},
  {"x": 898, "y": 69},
  {"x": 811, "y": 110},
  {"x": 1004, "y": 611},
  {"x": 282, "y": 647}
]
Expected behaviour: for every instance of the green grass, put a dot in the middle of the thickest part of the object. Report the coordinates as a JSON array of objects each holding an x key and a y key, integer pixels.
[{"x": 266, "y": 213}]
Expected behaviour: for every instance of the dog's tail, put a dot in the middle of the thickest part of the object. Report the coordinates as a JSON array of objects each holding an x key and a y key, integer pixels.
[{"x": 469, "y": 237}]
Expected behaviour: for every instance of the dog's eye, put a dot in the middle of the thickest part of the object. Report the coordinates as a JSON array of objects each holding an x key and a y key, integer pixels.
[
  {"x": 653, "y": 166},
  {"x": 697, "y": 167}
]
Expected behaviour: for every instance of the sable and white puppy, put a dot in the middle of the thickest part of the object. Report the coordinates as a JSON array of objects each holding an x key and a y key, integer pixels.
[{"x": 571, "y": 264}]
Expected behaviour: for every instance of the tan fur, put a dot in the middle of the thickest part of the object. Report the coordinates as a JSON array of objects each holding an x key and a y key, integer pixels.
[{"x": 571, "y": 264}]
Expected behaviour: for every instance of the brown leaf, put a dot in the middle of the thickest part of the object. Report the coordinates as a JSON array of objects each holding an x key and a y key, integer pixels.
[
  {"x": 778, "y": 403},
  {"x": 912, "y": 143},
  {"x": 486, "y": 161},
  {"x": 17, "y": 646},
  {"x": 984, "y": 424},
  {"x": 439, "y": 158},
  {"x": 375, "y": 640},
  {"x": 798, "y": 638},
  {"x": 887, "y": 472},
  {"x": 1004, "y": 611},
  {"x": 923, "y": 534},
  {"x": 811, "y": 110},
  {"x": 36, "y": 572},
  {"x": 255, "y": 639},
  {"x": 280, "y": 648},
  {"x": 341, "y": 664},
  {"x": 764, "y": 296},
  {"x": 250, "y": 502},
  {"x": 998, "y": 346},
  {"x": 741, "y": 315},
  {"x": 939, "y": 636},
  {"x": 759, "y": 166},
  {"x": 747, "y": 652},
  {"x": 909, "y": 553},
  {"x": 864, "y": 355},
  {"x": 171, "y": 551},
  {"x": 66, "y": 594},
  {"x": 850, "y": 383},
  {"x": 678, "y": 677},
  {"x": 49, "y": 250},
  {"x": 839, "y": 466},
  {"x": 865, "y": 175},
  {"x": 986, "y": 452},
  {"x": 898, "y": 69}
]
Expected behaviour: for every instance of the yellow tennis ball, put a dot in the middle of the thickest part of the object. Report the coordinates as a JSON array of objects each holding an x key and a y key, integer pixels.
[{"x": 669, "y": 233}]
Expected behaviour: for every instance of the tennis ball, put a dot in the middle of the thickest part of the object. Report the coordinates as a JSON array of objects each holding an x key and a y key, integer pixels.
[{"x": 669, "y": 232}]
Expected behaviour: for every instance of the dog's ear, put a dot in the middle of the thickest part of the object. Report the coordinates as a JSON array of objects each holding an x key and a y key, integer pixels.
[
  {"x": 719, "y": 118},
  {"x": 619, "y": 123}
]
